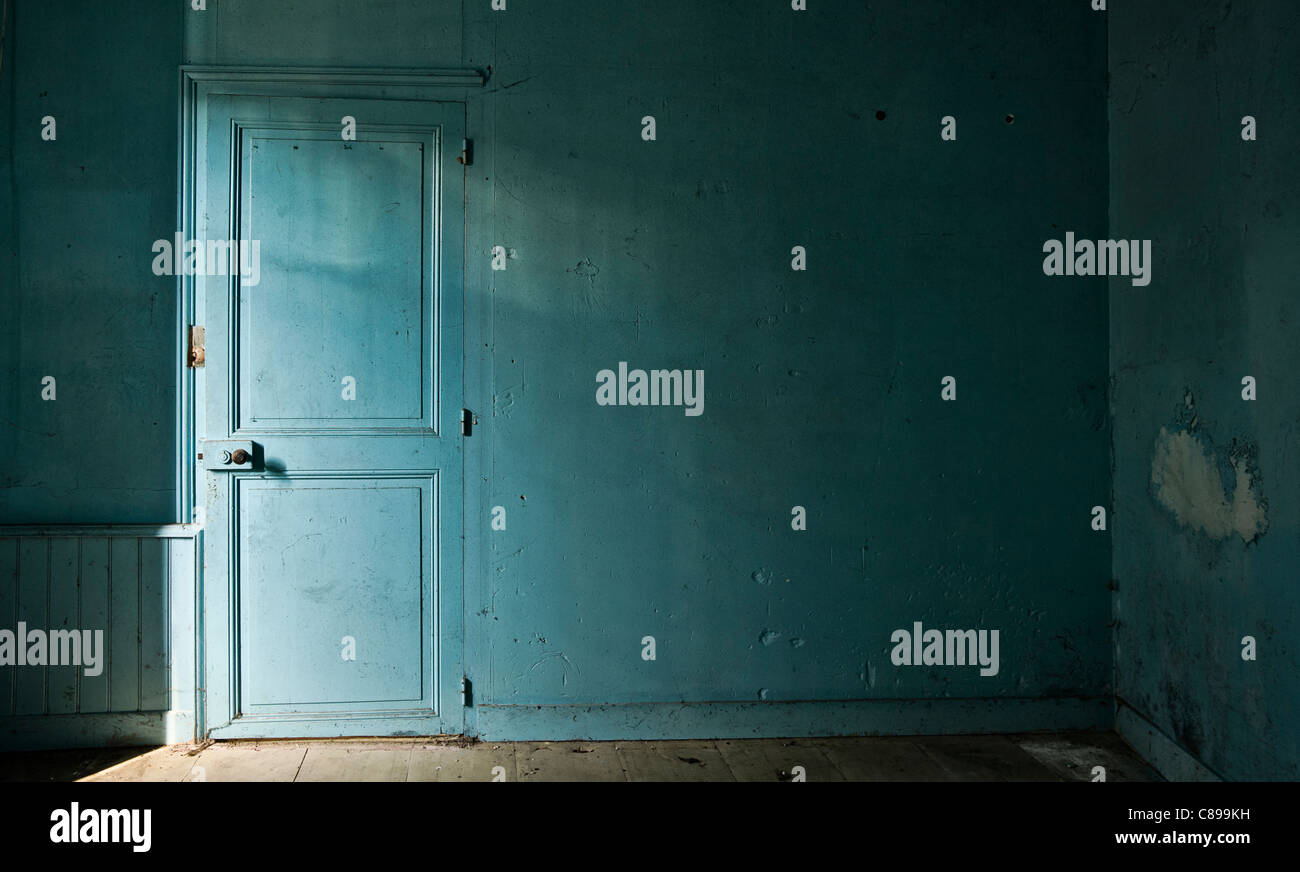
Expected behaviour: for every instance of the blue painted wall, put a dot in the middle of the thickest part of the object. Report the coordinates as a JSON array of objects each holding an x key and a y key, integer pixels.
[
  {"x": 78, "y": 302},
  {"x": 77, "y": 298},
  {"x": 823, "y": 387},
  {"x": 1207, "y": 526},
  {"x": 775, "y": 129}
]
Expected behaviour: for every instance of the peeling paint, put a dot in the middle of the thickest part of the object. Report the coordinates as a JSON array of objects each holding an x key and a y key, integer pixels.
[{"x": 1187, "y": 483}]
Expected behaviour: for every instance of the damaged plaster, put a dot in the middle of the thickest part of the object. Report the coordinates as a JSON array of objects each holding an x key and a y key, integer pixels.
[{"x": 1187, "y": 482}]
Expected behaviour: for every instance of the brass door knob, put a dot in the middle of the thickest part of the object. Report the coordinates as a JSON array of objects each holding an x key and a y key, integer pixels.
[{"x": 240, "y": 456}]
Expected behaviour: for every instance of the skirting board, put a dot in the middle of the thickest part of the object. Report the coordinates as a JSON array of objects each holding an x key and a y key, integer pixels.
[
  {"x": 520, "y": 723},
  {"x": 111, "y": 730},
  {"x": 1168, "y": 758}
]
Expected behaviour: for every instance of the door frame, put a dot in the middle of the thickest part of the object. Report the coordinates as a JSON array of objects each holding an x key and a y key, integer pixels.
[{"x": 197, "y": 84}]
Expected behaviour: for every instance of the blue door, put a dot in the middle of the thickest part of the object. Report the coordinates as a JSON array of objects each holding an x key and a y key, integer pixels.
[{"x": 330, "y": 407}]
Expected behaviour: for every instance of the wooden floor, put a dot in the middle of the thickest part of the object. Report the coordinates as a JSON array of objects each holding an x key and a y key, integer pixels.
[{"x": 1036, "y": 757}]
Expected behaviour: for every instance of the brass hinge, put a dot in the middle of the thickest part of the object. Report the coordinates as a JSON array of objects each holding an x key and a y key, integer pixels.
[
  {"x": 197, "y": 352},
  {"x": 466, "y": 156}
]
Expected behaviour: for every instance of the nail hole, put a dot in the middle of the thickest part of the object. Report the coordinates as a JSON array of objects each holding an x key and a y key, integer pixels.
[
  {"x": 880, "y": 114},
  {"x": 1011, "y": 119}
]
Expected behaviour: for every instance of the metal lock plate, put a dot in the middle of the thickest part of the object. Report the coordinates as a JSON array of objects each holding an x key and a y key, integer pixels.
[{"x": 230, "y": 456}]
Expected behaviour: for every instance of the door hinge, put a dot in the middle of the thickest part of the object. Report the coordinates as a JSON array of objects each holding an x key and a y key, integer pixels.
[
  {"x": 466, "y": 157},
  {"x": 467, "y": 421},
  {"x": 466, "y": 692},
  {"x": 197, "y": 350}
]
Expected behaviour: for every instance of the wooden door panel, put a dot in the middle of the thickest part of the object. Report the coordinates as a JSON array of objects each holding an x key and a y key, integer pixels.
[
  {"x": 333, "y": 594},
  {"x": 345, "y": 280}
]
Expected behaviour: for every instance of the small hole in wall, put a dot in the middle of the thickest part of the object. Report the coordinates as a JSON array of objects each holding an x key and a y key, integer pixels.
[
  {"x": 880, "y": 114},
  {"x": 1011, "y": 119}
]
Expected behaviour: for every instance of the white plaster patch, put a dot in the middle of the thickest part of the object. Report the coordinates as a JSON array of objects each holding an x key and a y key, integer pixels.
[{"x": 1188, "y": 484}]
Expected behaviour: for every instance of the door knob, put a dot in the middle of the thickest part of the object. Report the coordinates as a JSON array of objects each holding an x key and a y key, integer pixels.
[{"x": 239, "y": 456}]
